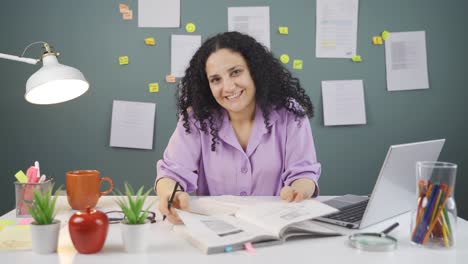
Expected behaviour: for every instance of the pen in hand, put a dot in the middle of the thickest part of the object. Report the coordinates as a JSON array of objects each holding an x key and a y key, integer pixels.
[{"x": 171, "y": 199}]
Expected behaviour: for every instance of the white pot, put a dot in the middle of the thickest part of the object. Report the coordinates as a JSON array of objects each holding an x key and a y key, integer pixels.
[
  {"x": 45, "y": 237},
  {"x": 134, "y": 237}
]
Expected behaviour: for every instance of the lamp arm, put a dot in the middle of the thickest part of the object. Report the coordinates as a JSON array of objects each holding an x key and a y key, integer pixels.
[
  {"x": 26, "y": 60},
  {"x": 16, "y": 58}
]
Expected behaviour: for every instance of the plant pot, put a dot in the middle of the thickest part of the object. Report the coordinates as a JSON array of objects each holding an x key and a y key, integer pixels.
[
  {"x": 45, "y": 237},
  {"x": 134, "y": 237}
]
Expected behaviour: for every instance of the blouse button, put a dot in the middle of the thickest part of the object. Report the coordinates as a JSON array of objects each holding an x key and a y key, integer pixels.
[
  {"x": 243, "y": 169},
  {"x": 243, "y": 193}
]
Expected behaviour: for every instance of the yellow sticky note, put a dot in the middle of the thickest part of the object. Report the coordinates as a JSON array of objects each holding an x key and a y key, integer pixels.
[
  {"x": 284, "y": 58},
  {"x": 283, "y": 30},
  {"x": 150, "y": 41},
  {"x": 297, "y": 64},
  {"x": 190, "y": 27},
  {"x": 21, "y": 177},
  {"x": 385, "y": 35},
  {"x": 356, "y": 58},
  {"x": 127, "y": 15},
  {"x": 377, "y": 40},
  {"x": 123, "y": 8},
  {"x": 170, "y": 78},
  {"x": 153, "y": 87},
  {"x": 123, "y": 60},
  {"x": 5, "y": 223}
]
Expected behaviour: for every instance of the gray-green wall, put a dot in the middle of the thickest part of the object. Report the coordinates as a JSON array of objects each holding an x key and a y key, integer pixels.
[{"x": 91, "y": 35}]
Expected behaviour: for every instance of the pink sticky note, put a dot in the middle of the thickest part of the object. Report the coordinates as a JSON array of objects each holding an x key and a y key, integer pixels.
[
  {"x": 25, "y": 221},
  {"x": 249, "y": 248}
]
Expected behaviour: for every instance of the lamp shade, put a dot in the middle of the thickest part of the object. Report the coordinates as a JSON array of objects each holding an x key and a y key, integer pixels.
[{"x": 55, "y": 83}]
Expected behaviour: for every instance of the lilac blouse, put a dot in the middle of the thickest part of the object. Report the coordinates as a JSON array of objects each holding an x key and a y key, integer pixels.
[{"x": 272, "y": 159}]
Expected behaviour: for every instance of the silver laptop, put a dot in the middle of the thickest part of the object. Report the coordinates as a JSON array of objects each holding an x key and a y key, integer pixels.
[{"x": 394, "y": 192}]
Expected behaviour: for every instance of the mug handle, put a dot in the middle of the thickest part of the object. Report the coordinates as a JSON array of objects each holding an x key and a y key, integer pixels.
[{"x": 111, "y": 185}]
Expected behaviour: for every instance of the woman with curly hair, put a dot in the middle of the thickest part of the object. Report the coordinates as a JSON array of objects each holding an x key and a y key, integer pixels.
[{"x": 243, "y": 128}]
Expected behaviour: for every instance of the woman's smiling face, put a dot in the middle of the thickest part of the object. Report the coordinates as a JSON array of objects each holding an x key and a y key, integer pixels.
[{"x": 230, "y": 82}]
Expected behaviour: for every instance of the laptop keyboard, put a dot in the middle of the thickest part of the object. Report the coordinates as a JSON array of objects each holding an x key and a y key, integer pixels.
[{"x": 351, "y": 214}]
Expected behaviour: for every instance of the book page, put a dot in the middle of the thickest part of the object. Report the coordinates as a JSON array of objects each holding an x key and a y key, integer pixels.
[
  {"x": 308, "y": 228},
  {"x": 276, "y": 216},
  {"x": 213, "y": 233},
  {"x": 221, "y": 205}
]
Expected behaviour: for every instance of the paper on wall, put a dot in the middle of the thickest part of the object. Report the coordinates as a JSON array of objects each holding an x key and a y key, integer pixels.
[
  {"x": 343, "y": 102},
  {"x": 132, "y": 124},
  {"x": 183, "y": 47},
  {"x": 159, "y": 13},
  {"x": 253, "y": 21},
  {"x": 336, "y": 28},
  {"x": 406, "y": 61}
]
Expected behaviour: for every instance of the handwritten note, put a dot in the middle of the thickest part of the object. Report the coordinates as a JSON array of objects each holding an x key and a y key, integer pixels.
[
  {"x": 153, "y": 87},
  {"x": 377, "y": 40},
  {"x": 123, "y": 60},
  {"x": 170, "y": 78},
  {"x": 150, "y": 41},
  {"x": 297, "y": 64},
  {"x": 283, "y": 30}
]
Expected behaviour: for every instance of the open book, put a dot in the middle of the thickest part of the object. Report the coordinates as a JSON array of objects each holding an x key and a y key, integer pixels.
[{"x": 261, "y": 224}]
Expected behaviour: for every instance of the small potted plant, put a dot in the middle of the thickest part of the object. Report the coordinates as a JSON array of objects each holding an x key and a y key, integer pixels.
[
  {"x": 45, "y": 228},
  {"x": 135, "y": 225}
]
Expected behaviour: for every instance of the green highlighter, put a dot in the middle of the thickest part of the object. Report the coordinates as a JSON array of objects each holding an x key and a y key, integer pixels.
[{"x": 21, "y": 177}]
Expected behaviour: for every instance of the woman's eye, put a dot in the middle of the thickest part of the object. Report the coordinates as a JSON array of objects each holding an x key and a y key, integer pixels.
[
  {"x": 236, "y": 72},
  {"x": 214, "y": 80}
]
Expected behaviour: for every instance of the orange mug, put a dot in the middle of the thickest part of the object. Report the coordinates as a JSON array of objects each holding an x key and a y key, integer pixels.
[{"x": 83, "y": 188}]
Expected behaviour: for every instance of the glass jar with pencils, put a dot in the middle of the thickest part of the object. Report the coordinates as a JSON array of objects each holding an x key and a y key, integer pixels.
[{"x": 434, "y": 220}]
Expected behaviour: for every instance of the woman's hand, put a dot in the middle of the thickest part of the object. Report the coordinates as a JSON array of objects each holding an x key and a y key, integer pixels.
[
  {"x": 299, "y": 190},
  {"x": 164, "y": 188}
]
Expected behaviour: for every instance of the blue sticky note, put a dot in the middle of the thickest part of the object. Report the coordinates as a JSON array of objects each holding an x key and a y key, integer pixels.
[{"x": 228, "y": 249}]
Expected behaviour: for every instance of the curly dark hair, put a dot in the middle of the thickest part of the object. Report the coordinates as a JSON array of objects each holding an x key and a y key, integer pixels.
[{"x": 275, "y": 87}]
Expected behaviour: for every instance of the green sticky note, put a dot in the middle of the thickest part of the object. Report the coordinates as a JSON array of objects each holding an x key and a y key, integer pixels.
[
  {"x": 356, "y": 58},
  {"x": 297, "y": 64},
  {"x": 21, "y": 177},
  {"x": 385, "y": 35}
]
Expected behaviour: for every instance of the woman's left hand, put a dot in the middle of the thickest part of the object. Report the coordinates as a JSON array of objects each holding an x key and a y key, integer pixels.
[{"x": 299, "y": 190}]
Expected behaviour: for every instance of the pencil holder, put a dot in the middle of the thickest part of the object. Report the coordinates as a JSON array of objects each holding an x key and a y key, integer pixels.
[
  {"x": 25, "y": 196},
  {"x": 434, "y": 220}
]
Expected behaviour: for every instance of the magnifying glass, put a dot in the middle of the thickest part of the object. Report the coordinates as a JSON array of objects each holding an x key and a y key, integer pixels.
[{"x": 374, "y": 241}]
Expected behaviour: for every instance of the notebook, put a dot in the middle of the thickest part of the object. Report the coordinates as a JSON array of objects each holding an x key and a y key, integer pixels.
[{"x": 394, "y": 192}]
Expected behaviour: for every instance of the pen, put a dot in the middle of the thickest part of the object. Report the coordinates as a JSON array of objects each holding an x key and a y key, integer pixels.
[
  {"x": 172, "y": 198},
  {"x": 36, "y": 164}
]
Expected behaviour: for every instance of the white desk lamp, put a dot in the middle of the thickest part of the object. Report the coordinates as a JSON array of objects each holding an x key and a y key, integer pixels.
[{"x": 54, "y": 82}]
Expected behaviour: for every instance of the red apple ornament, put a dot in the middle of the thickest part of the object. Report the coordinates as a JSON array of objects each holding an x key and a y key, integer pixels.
[{"x": 88, "y": 230}]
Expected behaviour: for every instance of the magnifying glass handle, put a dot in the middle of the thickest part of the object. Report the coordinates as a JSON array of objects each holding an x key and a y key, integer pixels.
[{"x": 390, "y": 228}]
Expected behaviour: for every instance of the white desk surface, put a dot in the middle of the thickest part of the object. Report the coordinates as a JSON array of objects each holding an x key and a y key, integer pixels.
[{"x": 168, "y": 247}]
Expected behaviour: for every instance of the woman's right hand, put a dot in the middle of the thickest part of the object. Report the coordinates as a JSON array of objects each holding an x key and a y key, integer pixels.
[{"x": 164, "y": 188}]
